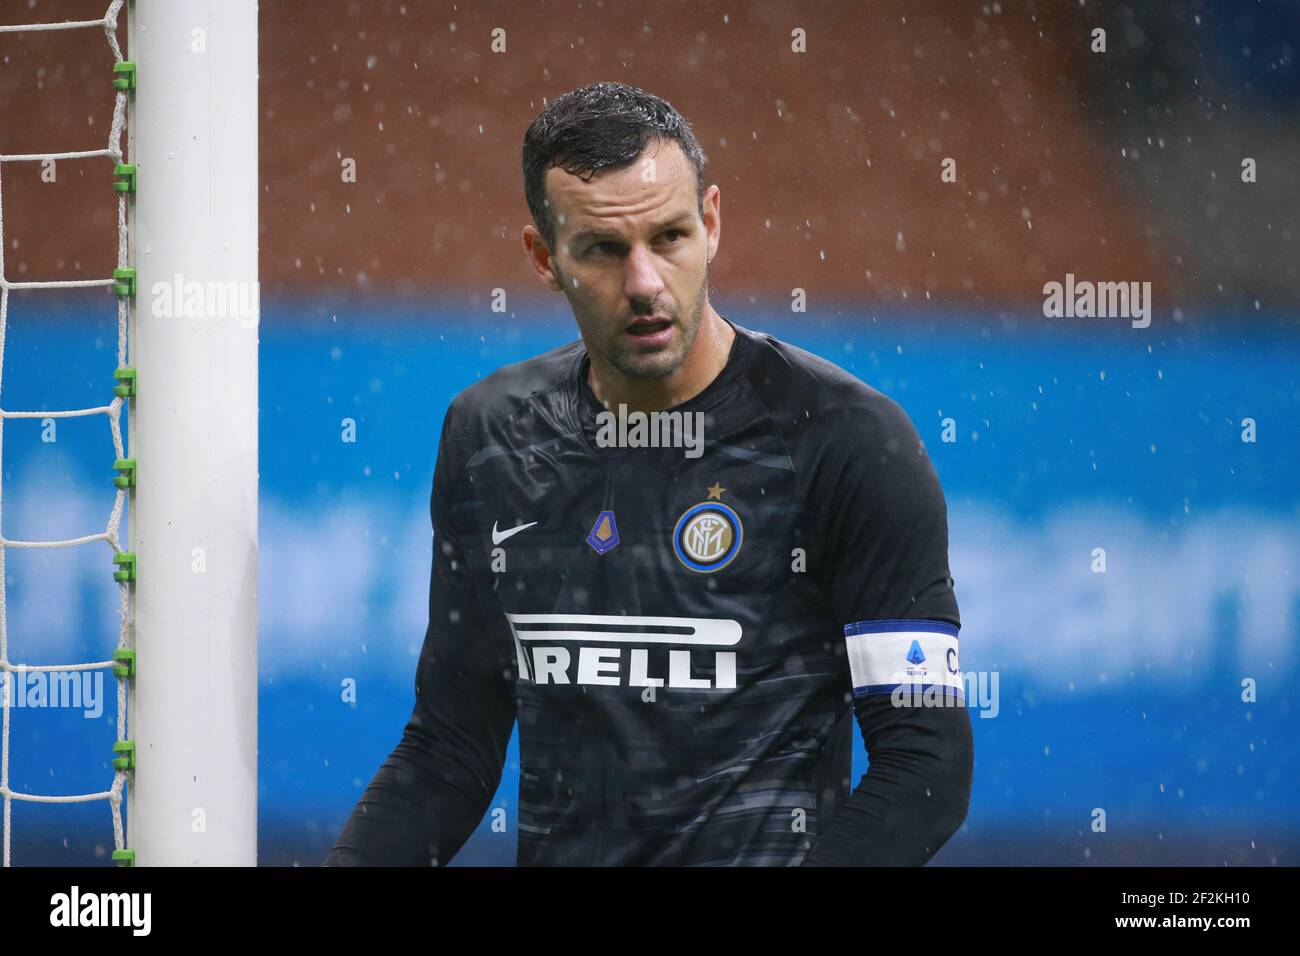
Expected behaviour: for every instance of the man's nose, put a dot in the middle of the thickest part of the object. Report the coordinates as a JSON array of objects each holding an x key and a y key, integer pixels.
[{"x": 642, "y": 281}]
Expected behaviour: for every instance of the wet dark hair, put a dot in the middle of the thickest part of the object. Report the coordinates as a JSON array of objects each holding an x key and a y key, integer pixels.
[{"x": 601, "y": 126}]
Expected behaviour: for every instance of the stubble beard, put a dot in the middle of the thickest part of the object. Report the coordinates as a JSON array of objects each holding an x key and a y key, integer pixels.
[{"x": 625, "y": 362}]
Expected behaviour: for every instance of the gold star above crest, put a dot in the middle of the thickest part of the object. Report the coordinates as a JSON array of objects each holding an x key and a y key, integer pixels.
[{"x": 715, "y": 491}]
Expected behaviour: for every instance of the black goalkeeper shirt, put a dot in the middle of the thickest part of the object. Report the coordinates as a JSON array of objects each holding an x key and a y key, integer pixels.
[{"x": 683, "y": 638}]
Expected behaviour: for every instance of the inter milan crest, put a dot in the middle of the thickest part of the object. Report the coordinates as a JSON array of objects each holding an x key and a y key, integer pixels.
[{"x": 707, "y": 537}]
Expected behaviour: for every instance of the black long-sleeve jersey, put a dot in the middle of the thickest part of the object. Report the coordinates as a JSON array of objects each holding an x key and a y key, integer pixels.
[{"x": 682, "y": 633}]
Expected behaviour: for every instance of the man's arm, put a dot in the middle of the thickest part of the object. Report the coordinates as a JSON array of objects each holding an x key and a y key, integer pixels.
[
  {"x": 886, "y": 534},
  {"x": 914, "y": 795},
  {"x": 430, "y": 794}
]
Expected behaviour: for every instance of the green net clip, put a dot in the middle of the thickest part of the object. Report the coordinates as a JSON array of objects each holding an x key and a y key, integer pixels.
[
  {"x": 126, "y": 748},
  {"x": 125, "y": 181},
  {"x": 125, "y": 376},
  {"x": 126, "y": 566},
  {"x": 124, "y": 75},
  {"x": 125, "y": 666},
  {"x": 124, "y": 857},
  {"x": 124, "y": 282},
  {"x": 125, "y": 477}
]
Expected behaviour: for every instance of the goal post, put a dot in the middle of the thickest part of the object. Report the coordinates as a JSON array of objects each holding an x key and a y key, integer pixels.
[{"x": 194, "y": 431}]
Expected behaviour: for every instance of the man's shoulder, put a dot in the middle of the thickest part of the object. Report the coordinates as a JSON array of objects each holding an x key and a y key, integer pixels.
[
  {"x": 816, "y": 396},
  {"x": 511, "y": 387}
]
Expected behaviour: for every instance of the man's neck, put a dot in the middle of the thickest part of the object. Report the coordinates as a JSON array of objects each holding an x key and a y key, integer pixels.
[{"x": 704, "y": 362}]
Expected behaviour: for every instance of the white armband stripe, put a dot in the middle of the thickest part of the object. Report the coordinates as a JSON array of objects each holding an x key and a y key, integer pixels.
[{"x": 886, "y": 655}]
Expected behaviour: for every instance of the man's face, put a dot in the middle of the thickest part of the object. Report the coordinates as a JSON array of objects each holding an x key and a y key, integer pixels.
[{"x": 632, "y": 259}]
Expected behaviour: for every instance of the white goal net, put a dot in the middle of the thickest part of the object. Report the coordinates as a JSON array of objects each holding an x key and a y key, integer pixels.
[
  {"x": 121, "y": 175},
  {"x": 187, "y": 304}
]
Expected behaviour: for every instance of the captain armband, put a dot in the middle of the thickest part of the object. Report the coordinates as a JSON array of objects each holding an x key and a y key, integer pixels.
[{"x": 914, "y": 661}]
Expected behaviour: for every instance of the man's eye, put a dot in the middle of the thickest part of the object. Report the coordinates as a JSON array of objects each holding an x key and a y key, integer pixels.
[
  {"x": 674, "y": 232},
  {"x": 600, "y": 247}
]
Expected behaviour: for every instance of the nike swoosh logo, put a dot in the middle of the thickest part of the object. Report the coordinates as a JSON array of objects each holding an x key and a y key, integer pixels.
[{"x": 499, "y": 536}]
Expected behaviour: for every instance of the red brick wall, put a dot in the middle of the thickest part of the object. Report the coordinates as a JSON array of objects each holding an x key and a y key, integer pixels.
[{"x": 824, "y": 158}]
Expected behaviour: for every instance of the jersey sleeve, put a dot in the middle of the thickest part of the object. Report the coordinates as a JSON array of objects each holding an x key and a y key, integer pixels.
[
  {"x": 432, "y": 791},
  {"x": 883, "y": 524}
]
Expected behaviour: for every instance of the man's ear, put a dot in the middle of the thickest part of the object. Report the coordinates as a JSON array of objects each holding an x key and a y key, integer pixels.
[
  {"x": 712, "y": 220},
  {"x": 539, "y": 257}
]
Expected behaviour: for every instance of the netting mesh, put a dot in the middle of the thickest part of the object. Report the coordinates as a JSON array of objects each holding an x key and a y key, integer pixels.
[{"x": 112, "y": 410}]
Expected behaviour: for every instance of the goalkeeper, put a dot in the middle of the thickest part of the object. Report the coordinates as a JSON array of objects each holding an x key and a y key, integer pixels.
[{"x": 683, "y": 639}]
